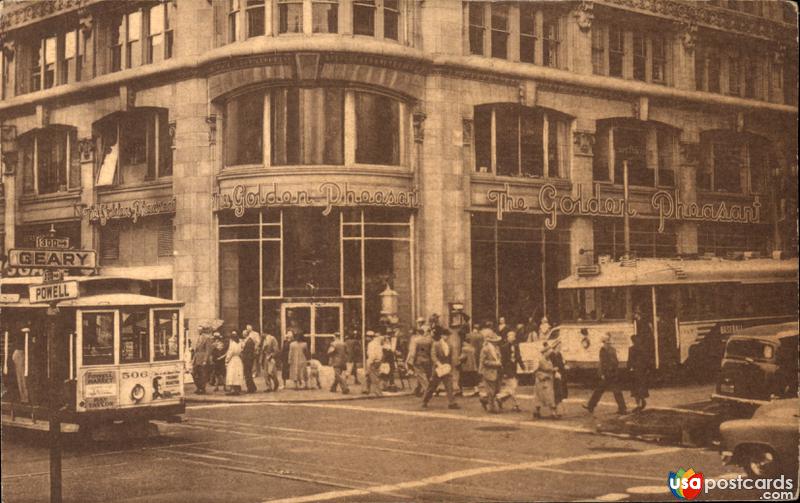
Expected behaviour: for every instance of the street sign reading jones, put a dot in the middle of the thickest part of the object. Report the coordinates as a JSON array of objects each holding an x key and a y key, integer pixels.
[{"x": 52, "y": 259}]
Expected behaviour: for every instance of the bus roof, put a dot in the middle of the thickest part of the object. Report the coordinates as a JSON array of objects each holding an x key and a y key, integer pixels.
[
  {"x": 647, "y": 272},
  {"x": 774, "y": 331},
  {"x": 101, "y": 301}
]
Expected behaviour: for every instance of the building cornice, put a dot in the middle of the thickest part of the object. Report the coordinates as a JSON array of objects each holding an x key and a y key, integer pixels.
[
  {"x": 23, "y": 13},
  {"x": 708, "y": 16}
]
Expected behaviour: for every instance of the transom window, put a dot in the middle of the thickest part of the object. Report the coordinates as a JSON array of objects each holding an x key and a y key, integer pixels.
[
  {"x": 50, "y": 160},
  {"x": 306, "y": 126},
  {"x": 648, "y": 148},
  {"x": 133, "y": 147},
  {"x": 513, "y": 140}
]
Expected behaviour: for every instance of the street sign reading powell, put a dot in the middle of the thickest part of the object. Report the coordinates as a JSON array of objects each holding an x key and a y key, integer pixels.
[
  {"x": 53, "y": 292},
  {"x": 52, "y": 259}
]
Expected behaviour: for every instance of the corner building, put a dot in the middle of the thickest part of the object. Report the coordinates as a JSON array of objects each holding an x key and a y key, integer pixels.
[{"x": 281, "y": 162}]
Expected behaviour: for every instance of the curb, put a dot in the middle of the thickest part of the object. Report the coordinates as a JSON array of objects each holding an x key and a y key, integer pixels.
[{"x": 191, "y": 400}]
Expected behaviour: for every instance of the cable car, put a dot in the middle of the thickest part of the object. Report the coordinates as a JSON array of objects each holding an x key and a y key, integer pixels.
[{"x": 119, "y": 357}]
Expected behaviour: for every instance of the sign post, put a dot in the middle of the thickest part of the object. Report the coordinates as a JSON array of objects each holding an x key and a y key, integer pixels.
[{"x": 55, "y": 404}]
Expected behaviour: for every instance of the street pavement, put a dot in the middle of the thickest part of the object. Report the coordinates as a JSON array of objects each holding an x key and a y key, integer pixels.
[{"x": 387, "y": 449}]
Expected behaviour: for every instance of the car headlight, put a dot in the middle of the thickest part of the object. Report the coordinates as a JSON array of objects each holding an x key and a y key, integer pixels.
[{"x": 137, "y": 393}]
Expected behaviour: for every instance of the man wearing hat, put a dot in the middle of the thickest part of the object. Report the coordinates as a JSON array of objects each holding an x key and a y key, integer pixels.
[
  {"x": 202, "y": 359},
  {"x": 419, "y": 357},
  {"x": 442, "y": 359},
  {"x": 489, "y": 367},
  {"x": 609, "y": 370},
  {"x": 337, "y": 358},
  {"x": 374, "y": 358}
]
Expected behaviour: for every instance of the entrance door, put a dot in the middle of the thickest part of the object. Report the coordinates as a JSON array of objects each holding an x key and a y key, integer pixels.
[{"x": 318, "y": 321}]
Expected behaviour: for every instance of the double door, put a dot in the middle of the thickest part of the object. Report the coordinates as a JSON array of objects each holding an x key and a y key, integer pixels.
[{"x": 317, "y": 321}]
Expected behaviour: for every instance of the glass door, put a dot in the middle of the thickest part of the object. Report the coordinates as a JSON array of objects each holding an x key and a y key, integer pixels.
[{"x": 318, "y": 322}]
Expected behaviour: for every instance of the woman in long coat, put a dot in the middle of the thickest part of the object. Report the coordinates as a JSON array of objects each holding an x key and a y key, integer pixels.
[
  {"x": 639, "y": 366},
  {"x": 469, "y": 375},
  {"x": 298, "y": 356},
  {"x": 234, "y": 369},
  {"x": 560, "y": 375}
]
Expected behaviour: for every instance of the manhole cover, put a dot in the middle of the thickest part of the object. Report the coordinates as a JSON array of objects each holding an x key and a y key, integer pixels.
[{"x": 497, "y": 428}]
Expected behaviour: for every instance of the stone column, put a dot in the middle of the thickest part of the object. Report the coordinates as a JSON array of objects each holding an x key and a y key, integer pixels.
[
  {"x": 86, "y": 149},
  {"x": 195, "y": 268},
  {"x": 683, "y": 76},
  {"x": 581, "y": 228},
  {"x": 686, "y": 188},
  {"x": 579, "y": 33}
]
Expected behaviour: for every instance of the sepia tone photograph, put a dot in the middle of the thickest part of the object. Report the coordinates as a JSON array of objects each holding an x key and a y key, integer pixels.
[{"x": 399, "y": 251}]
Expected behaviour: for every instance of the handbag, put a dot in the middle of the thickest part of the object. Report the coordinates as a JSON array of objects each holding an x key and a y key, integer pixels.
[
  {"x": 384, "y": 369},
  {"x": 443, "y": 369}
]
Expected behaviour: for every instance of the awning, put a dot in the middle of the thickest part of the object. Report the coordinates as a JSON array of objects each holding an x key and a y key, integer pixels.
[{"x": 648, "y": 272}]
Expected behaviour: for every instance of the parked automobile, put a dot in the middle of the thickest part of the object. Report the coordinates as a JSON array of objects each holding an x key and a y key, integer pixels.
[
  {"x": 760, "y": 364},
  {"x": 765, "y": 445}
]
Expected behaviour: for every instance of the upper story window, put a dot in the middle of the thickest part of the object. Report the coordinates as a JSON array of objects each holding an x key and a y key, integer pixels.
[
  {"x": 134, "y": 147},
  {"x": 254, "y": 13},
  {"x": 48, "y": 61},
  {"x": 290, "y": 16},
  {"x": 306, "y": 126},
  {"x": 735, "y": 163},
  {"x": 234, "y": 11},
  {"x": 518, "y": 31},
  {"x": 50, "y": 161},
  {"x": 325, "y": 16},
  {"x": 72, "y": 59},
  {"x": 707, "y": 68},
  {"x": 141, "y": 36},
  {"x": 514, "y": 140},
  {"x": 630, "y": 54},
  {"x": 734, "y": 74},
  {"x": 159, "y": 33},
  {"x": 648, "y": 149},
  {"x": 377, "y": 18}
]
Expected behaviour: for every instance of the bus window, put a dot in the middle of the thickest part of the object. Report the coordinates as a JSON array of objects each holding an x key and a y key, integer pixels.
[
  {"x": 98, "y": 338},
  {"x": 166, "y": 335},
  {"x": 612, "y": 304},
  {"x": 697, "y": 302},
  {"x": 134, "y": 346}
]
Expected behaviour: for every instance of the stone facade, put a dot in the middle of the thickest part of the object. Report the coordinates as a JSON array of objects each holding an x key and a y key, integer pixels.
[{"x": 431, "y": 70}]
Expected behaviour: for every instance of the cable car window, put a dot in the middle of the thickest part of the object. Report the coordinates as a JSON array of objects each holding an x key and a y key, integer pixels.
[
  {"x": 166, "y": 335},
  {"x": 134, "y": 346},
  {"x": 98, "y": 338}
]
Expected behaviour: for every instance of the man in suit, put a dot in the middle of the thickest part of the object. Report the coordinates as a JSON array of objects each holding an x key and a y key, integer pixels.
[
  {"x": 609, "y": 378},
  {"x": 202, "y": 360},
  {"x": 269, "y": 355},
  {"x": 489, "y": 366},
  {"x": 419, "y": 357},
  {"x": 251, "y": 343},
  {"x": 337, "y": 358},
  {"x": 510, "y": 358},
  {"x": 442, "y": 359}
]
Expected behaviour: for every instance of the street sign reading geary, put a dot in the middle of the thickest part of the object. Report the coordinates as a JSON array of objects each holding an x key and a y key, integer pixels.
[
  {"x": 53, "y": 292},
  {"x": 52, "y": 259}
]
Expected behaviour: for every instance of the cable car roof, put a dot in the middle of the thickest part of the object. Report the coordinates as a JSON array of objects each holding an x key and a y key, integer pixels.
[
  {"x": 101, "y": 301},
  {"x": 648, "y": 272}
]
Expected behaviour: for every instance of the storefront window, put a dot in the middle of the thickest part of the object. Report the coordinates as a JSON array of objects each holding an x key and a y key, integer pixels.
[
  {"x": 516, "y": 266},
  {"x": 377, "y": 129},
  {"x": 134, "y": 343},
  {"x": 646, "y": 241},
  {"x": 98, "y": 338},
  {"x": 165, "y": 340},
  {"x": 321, "y": 267}
]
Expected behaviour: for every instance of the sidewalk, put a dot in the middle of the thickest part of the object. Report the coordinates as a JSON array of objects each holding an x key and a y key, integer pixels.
[{"x": 292, "y": 395}]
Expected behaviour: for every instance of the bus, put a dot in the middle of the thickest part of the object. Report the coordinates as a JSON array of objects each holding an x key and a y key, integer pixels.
[
  {"x": 119, "y": 357},
  {"x": 687, "y": 307}
]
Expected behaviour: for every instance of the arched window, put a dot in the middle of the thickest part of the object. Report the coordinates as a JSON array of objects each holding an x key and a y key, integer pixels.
[
  {"x": 50, "y": 160},
  {"x": 647, "y": 147},
  {"x": 133, "y": 146},
  {"x": 514, "y": 140}
]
